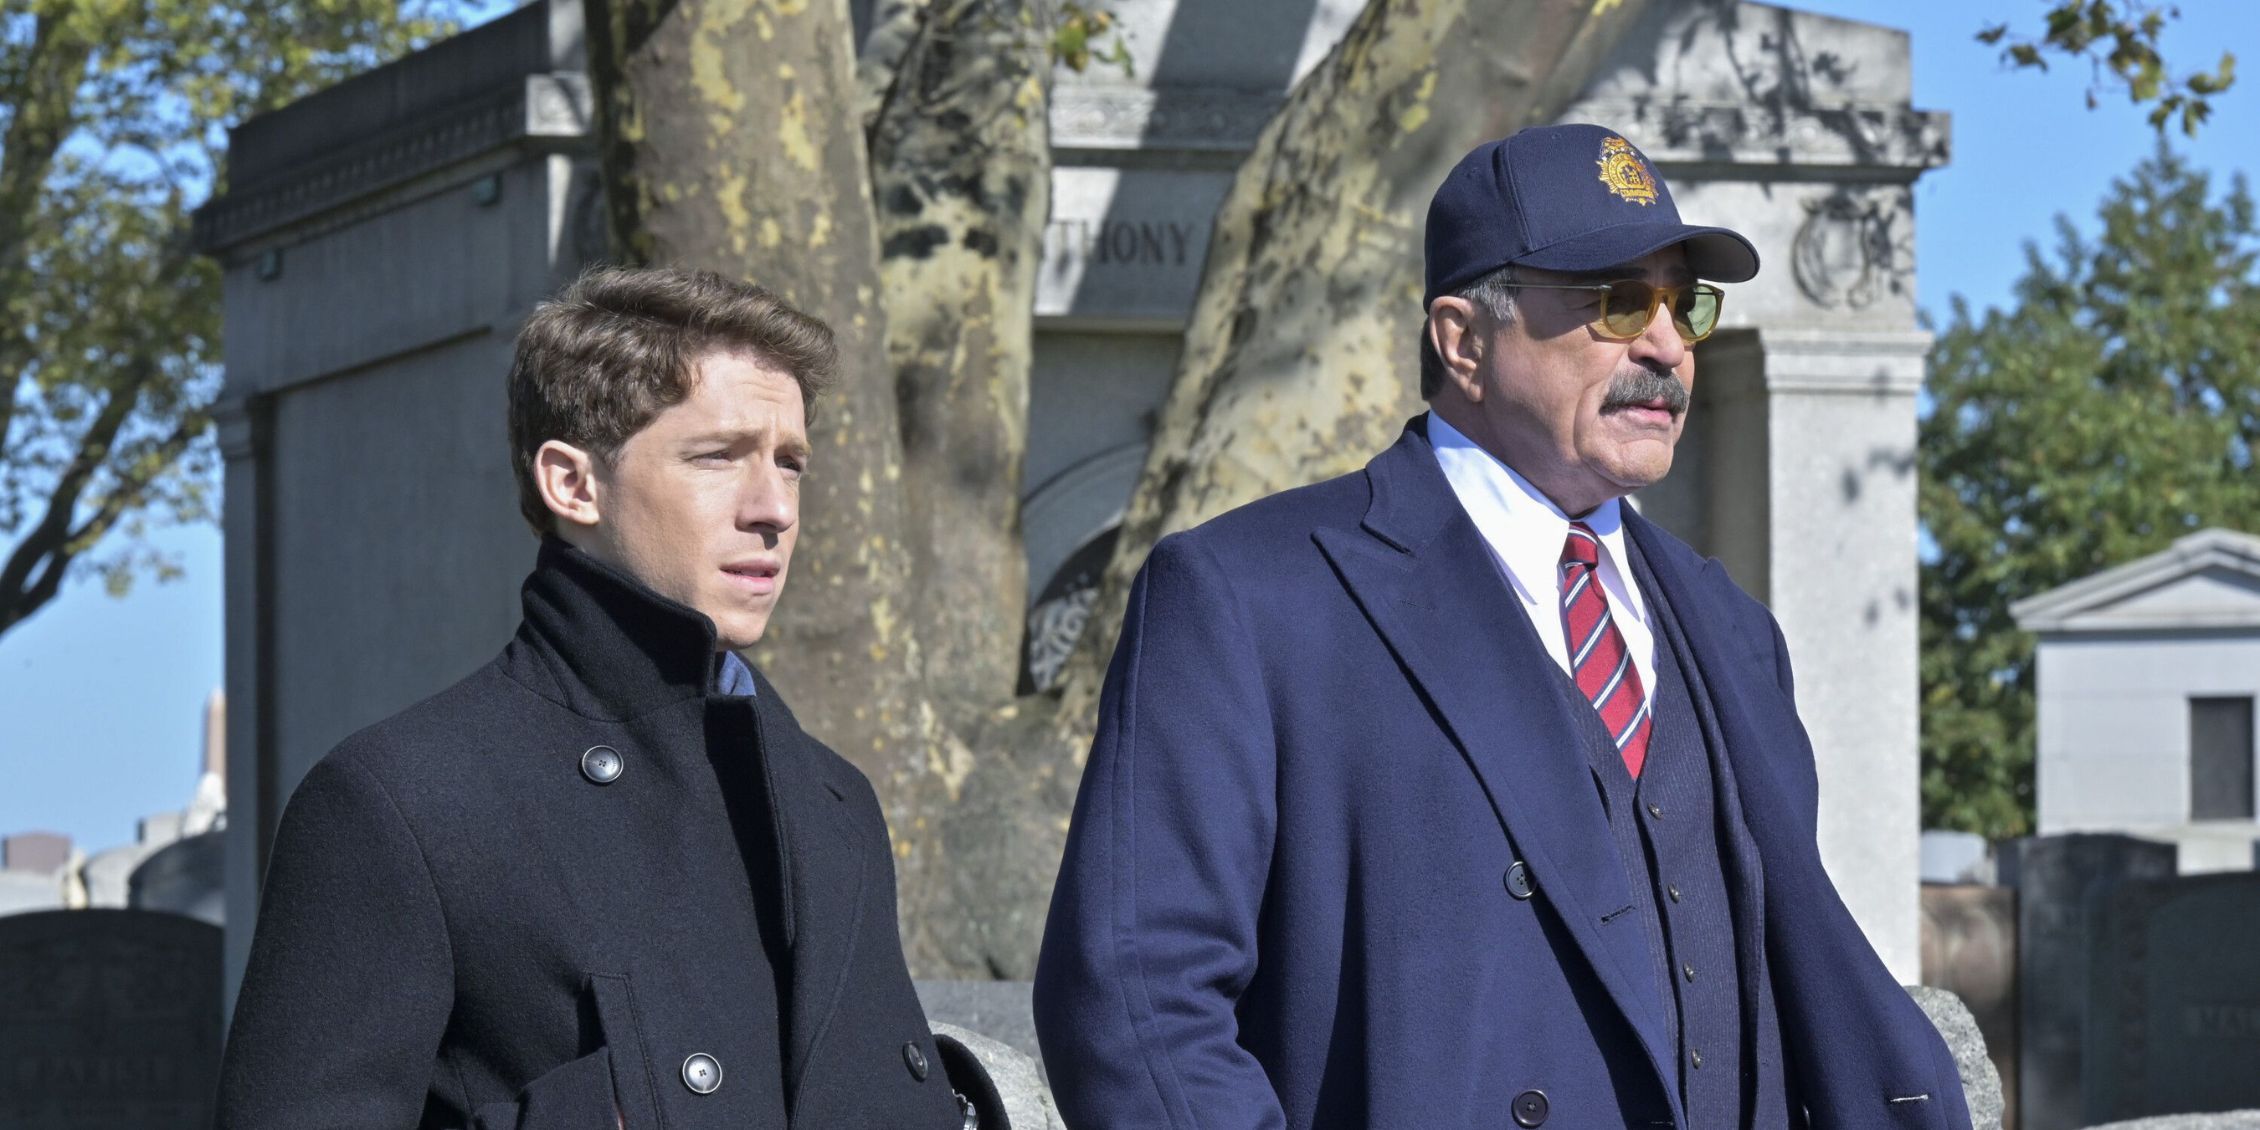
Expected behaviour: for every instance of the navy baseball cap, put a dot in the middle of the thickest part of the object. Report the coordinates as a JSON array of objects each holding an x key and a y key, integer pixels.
[{"x": 1564, "y": 198}]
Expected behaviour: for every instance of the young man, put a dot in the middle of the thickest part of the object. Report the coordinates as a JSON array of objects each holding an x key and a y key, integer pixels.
[
  {"x": 1451, "y": 793},
  {"x": 605, "y": 881}
]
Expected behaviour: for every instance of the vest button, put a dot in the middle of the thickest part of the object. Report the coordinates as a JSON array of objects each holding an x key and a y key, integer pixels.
[
  {"x": 1689, "y": 970},
  {"x": 702, "y": 1073},
  {"x": 602, "y": 764},
  {"x": 1656, "y": 810},
  {"x": 1518, "y": 881},
  {"x": 1673, "y": 891},
  {"x": 1696, "y": 1057},
  {"x": 1530, "y": 1109}
]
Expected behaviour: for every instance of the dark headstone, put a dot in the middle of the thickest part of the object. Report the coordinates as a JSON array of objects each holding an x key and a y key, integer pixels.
[
  {"x": 2055, "y": 876},
  {"x": 2174, "y": 998},
  {"x": 108, "y": 1018},
  {"x": 1003, "y": 1011},
  {"x": 1969, "y": 946}
]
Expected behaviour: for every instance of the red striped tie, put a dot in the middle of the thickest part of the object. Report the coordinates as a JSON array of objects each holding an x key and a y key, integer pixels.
[{"x": 1598, "y": 657}]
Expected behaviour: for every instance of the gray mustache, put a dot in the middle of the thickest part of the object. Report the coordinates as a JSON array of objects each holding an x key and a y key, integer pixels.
[{"x": 1642, "y": 386}]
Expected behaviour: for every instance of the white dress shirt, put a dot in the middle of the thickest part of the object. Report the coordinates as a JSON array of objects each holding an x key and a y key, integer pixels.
[{"x": 1526, "y": 531}]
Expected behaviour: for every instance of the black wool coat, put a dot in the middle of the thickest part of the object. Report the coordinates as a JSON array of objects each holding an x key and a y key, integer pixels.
[{"x": 471, "y": 920}]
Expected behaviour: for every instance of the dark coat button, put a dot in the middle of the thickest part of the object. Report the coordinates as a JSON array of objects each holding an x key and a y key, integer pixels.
[
  {"x": 1673, "y": 891},
  {"x": 1530, "y": 1108},
  {"x": 702, "y": 1073},
  {"x": 914, "y": 1057},
  {"x": 1518, "y": 881},
  {"x": 602, "y": 764},
  {"x": 1656, "y": 810}
]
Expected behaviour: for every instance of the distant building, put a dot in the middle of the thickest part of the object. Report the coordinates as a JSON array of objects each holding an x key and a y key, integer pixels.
[
  {"x": 42, "y": 871},
  {"x": 2147, "y": 675}
]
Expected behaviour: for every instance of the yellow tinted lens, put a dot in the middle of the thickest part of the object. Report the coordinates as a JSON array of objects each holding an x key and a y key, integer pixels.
[
  {"x": 1628, "y": 308},
  {"x": 1695, "y": 311}
]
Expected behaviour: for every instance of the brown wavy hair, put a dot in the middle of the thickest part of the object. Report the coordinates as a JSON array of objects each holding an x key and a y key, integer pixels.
[{"x": 597, "y": 362}]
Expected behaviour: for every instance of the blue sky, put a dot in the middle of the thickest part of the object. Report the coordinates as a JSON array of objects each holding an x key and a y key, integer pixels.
[{"x": 101, "y": 700}]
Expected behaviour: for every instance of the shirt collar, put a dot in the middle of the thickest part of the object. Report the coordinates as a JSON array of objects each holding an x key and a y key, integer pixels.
[
  {"x": 733, "y": 677},
  {"x": 1523, "y": 527}
]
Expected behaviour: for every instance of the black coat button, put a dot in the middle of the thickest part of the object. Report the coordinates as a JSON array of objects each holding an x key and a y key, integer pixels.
[
  {"x": 1689, "y": 970},
  {"x": 1530, "y": 1108},
  {"x": 1518, "y": 881},
  {"x": 914, "y": 1057},
  {"x": 1673, "y": 891},
  {"x": 1656, "y": 810},
  {"x": 602, "y": 764},
  {"x": 702, "y": 1073}
]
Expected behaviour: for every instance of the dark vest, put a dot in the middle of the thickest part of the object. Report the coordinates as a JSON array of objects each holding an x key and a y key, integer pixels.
[{"x": 1697, "y": 891}]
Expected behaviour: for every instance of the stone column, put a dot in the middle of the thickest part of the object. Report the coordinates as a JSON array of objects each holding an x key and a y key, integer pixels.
[
  {"x": 244, "y": 428},
  {"x": 1841, "y": 575}
]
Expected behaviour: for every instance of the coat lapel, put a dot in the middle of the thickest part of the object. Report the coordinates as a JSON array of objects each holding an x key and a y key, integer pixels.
[
  {"x": 1424, "y": 578},
  {"x": 826, "y": 875},
  {"x": 1861, "y": 1050}
]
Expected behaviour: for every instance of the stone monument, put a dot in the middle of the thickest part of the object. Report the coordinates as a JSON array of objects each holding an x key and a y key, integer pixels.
[
  {"x": 108, "y": 1019},
  {"x": 2057, "y": 879},
  {"x": 2147, "y": 676},
  {"x": 2173, "y": 1021}
]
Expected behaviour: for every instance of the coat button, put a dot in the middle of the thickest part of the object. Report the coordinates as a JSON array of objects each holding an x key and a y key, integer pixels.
[
  {"x": 1518, "y": 881},
  {"x": 914, "y": 1057},
  {"x": 1656, "y": 810},
  {"x": 1530, "y": 1108},
  {"x": 702, "y": 1073},
  {"x": 602, "y": 764},
  {"x": 1673, "y": 891},
  {"x": 1689, "y": 970}
]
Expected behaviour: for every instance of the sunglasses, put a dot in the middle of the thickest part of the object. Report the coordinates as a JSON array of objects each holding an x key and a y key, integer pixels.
[{"x": 1627, "y": 307}]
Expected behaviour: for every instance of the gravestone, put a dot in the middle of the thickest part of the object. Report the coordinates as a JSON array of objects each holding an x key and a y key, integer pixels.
[
  {"x": 1970, "y": 949},
  {"x": 2055, "y": 877},
  {"x": 2174, "y": 997},
  {"x": 108, "y": 1018}
]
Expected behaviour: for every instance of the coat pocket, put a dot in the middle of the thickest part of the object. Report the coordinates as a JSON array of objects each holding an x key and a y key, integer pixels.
[{"x": 614, "y": 999}]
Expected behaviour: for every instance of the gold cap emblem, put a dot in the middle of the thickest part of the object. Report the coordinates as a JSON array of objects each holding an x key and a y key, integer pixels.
[{"x": 1624, "y": 172}]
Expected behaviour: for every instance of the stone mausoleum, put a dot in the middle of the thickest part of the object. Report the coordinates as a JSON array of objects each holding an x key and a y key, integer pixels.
[
  {"x": 383, "y": 240},
  {"x": 2147, "y": 674}
]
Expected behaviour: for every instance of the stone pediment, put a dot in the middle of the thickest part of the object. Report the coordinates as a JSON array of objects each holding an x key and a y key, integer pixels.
[{"x": 2210, "y": 579}]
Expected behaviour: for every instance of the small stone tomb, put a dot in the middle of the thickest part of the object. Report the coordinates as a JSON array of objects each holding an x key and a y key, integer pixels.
[
  {"x": 108, "y": 1018},
  {"x": 2174, "y": 997}
]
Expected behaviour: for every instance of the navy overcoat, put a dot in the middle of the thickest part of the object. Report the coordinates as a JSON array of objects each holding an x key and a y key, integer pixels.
[{"x": 1325, "y": 738}]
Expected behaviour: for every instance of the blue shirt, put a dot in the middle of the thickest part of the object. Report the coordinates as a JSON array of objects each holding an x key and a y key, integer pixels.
[{"x": 733, "y": 677}]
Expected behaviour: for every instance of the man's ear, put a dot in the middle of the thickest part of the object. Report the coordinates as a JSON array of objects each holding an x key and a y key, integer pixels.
[
  {"x": 566, "y": 476},
  {"x": 1452, "y": 334}
]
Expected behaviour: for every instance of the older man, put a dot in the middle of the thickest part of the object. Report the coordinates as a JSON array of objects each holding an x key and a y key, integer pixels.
[
  {"x": 1451, "y": 793},
  {"x": 605, "y": 881}
]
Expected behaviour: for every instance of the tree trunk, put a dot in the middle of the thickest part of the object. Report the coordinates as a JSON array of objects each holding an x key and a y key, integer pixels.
[
  {"x": 961, "y": 176},
  {"x": 729, "y": 141}
]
